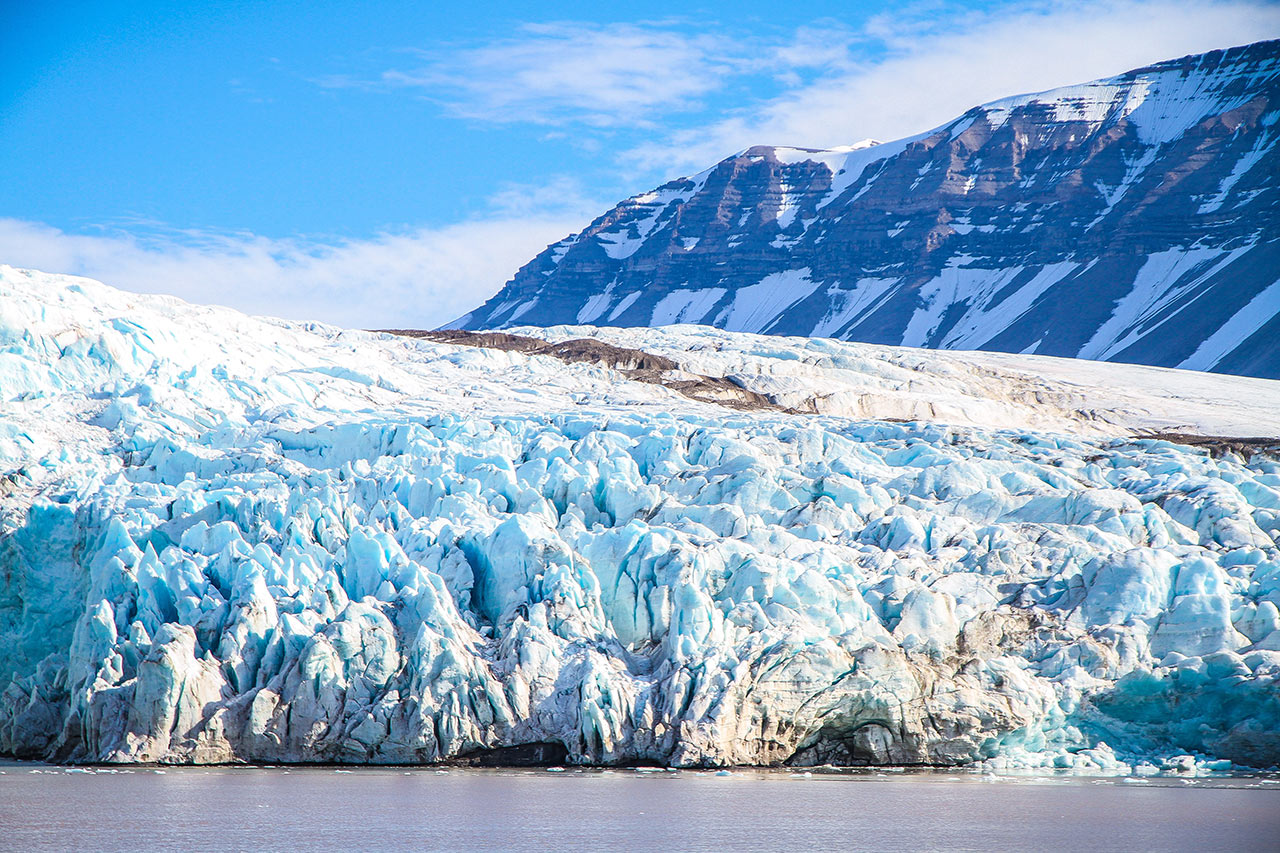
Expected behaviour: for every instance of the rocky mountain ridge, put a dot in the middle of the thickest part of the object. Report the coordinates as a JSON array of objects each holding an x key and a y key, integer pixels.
[{"x": 1130, "y": 219}]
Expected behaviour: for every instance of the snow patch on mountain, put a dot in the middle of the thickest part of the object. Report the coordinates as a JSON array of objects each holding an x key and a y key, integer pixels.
[
  {"x": 754, "y": 306},
  {"x": 687, "y": 306}
]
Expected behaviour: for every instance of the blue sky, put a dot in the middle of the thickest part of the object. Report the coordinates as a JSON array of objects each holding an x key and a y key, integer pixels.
[{"x": 393, "y": 163}]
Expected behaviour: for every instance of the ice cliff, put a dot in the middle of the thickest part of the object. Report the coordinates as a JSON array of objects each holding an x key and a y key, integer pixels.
[{"x": 226, "y": 538}]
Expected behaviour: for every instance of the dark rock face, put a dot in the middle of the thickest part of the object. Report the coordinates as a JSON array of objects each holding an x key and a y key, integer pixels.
[{"x": 1131, "y": 219}]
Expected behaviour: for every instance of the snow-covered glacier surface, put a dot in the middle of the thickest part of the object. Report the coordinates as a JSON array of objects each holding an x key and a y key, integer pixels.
[{"x": 227, "y": 538}]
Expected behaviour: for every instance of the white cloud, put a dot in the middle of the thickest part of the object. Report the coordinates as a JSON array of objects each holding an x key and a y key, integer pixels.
[
  {"x": 933, "y": 69},
  {"x": 562, "y": 196},
  {"x": 606, "y": 76},
  {"x": 419, "y": 279},
  {"x": 619, "y": 74}
]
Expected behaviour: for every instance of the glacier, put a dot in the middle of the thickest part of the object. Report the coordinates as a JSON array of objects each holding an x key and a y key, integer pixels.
[{"x": 226, "y": 538}]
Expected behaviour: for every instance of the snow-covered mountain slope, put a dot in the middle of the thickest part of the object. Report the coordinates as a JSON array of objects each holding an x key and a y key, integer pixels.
[
  {"x": 228, "y": 538},
  {"x": 1132, "y": 219}
]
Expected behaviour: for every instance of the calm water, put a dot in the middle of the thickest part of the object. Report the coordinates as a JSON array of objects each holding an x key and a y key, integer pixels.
[{"x": 46, "y": 808}]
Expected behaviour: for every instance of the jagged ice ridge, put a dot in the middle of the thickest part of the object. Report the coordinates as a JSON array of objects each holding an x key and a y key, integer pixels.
[{"x": 227, "y": 538}]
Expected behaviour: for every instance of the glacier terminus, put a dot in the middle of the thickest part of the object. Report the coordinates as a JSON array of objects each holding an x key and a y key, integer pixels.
[{"x": 228, "y": 539}]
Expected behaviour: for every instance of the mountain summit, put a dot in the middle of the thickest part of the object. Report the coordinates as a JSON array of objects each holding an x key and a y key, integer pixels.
[{"x": 1131, "y": 219}]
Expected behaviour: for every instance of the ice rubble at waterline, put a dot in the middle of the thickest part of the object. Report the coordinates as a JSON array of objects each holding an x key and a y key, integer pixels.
[{"x": 227, "y": 538}]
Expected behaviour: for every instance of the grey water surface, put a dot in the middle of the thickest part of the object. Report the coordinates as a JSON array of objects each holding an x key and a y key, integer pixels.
[{"x": 242, "y": 808}]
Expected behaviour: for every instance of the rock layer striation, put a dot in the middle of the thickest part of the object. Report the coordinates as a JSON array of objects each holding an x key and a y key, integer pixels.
[{"x": 1132, "y": 219}]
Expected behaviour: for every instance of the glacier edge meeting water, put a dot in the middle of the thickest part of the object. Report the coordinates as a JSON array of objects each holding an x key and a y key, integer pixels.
[{"x": 234, "y": 539}]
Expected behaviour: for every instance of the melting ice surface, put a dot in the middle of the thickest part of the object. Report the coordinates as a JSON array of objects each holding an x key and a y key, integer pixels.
[{"x": 227, "y": 538}]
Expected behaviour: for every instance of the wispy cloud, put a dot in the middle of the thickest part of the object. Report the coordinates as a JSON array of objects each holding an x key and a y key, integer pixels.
[
  {"x": 934, "y": 65},
  {"x": 421, "y": 278},
  {"x": 599, "y": 75},
  {"x": 603, "y": 75},
  {"x": 561, "y": 197}
]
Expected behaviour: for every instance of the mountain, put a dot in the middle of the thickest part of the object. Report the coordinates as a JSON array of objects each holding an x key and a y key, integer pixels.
[
  {"x": 1132, "y": 219},
  {"x": 226, "y": 538}
]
